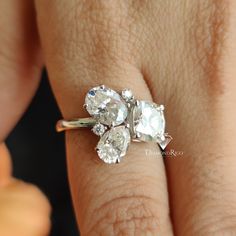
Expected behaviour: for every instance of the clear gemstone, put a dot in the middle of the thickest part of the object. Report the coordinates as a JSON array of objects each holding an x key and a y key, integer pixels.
[
  {"x": 106, "y": 105},
  {"x": 99, "y": 129},
  {"x": 149, "y": 121},
  {"x": 113, "y": 144},
  {"x": 127, "y": 95}
]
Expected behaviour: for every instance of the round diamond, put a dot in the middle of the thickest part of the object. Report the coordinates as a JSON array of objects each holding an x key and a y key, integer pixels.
[
  {"x": 149, "y": 121},
  {"x": 99, "y": 129},
  {"x": 113, "y": 144},
  {"x": 106, "y": 105},
  {"x": 108, "y": 154},
  {"x": 127, "y": 95}
]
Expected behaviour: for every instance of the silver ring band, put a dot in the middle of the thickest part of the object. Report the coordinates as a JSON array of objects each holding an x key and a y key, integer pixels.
[{"x": 63, "y": 125}]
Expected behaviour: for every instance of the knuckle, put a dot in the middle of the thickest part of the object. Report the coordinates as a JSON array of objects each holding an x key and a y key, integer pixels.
[
  {"x": 219, "y": 229},
  {"x": 134, "y": 215},
  {"x": 218, "y": 222}
]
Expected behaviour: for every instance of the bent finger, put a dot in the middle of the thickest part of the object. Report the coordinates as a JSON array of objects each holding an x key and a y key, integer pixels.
[
  {"x": 5, "y": 165},
  {"x": 129, "y": 198},
  {"x": 20, "y": 61}
]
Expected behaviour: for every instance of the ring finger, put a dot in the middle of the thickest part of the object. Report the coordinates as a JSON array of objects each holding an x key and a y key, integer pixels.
[{"x": 130, "y": 198}]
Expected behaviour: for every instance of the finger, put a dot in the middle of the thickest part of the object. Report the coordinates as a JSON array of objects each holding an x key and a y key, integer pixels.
[
  {"x": 199, "y": 96},
  {"x": 5, "y": 165},
  {"x": 24, "y": 210},
  {"x": 85, "y": 45},
  {"x": 20, "y": 61}
]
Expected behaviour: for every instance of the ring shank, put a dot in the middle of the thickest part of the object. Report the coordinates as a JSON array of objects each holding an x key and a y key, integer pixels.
[{"x": 63, "y": 125}]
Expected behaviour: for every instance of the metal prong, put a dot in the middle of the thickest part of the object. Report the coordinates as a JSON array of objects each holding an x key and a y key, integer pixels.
[
  {"x": 85, "y": 106},
  {"x": 118, "y": 160},
  {"x": 162, "y": 138},
  {"x": 127, "y": 125},
  {"x": 102, "y": 86},
  {"x": 161, "y": 108},
  {"x": 128, "y": 105}
]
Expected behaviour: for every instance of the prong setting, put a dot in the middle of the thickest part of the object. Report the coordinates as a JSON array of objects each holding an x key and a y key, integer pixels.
[
  {"x": 119, "y": 118},
  {"x": 102, "y": 86},
  {"x": 161, "y": 108}
]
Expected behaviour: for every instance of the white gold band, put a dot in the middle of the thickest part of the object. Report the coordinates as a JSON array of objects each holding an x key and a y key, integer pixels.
[{"x": 63, "y": 125}]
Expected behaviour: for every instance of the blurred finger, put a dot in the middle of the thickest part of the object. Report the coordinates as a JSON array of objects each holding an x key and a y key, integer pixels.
[
  {"x": 24, "y": 210},
  {"x": 20, "y": 61},
  {"x": 5, "y": 165}
]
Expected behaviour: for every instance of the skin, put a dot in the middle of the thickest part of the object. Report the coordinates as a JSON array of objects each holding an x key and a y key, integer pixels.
[
  {"x": 24, "y": 210},
  {"x": 178, "y": 53}
]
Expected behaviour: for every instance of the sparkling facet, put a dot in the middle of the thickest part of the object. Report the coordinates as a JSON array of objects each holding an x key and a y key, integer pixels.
[
  {"x": 113, "y": 144},
  {"x": 127, "y": 95},
  {"x": 106, "y": 105},
  {"x": 149, "y": 121},
  {"x": 99, "y": 129}
]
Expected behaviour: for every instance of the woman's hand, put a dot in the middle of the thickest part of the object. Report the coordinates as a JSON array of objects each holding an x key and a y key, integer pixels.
[{"x": 178, "y": 53}]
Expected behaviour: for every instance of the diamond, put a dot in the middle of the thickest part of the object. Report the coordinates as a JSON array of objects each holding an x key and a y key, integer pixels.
[
  {"x": 148, "y": 121},
  {"x": 127, "y": 95},
  {"x": 99, "y": 129},
  {"x": 114, "y": 144},
  {"x": 106, "y": 106}
]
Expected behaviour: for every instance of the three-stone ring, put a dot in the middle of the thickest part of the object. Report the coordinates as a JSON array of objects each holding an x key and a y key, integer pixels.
[{"x": 119, "y": 119}]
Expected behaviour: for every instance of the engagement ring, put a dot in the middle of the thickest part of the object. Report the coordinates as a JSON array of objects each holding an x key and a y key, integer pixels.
[{"x": 119, "y": 119}]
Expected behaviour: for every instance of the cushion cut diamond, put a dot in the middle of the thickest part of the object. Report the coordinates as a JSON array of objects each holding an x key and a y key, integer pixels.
[
  {"x": 148, "y": 121},
  {"x": 106, "y": 105}
]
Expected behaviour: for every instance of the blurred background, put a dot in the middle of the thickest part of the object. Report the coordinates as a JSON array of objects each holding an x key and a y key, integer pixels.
[{"x": 38, "y": 155}]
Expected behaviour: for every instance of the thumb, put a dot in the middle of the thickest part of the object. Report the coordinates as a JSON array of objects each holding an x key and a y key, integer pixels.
[{"x": 24, "y": 210}]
